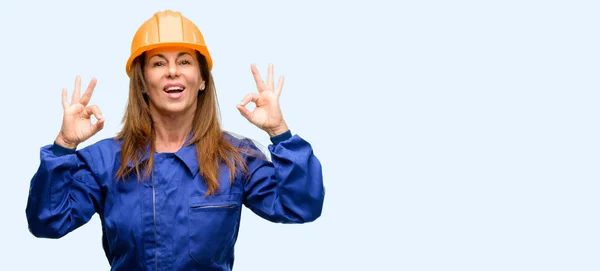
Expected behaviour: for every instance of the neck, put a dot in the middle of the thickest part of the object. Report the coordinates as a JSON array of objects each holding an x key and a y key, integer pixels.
[{"x": 171, "y": 130}]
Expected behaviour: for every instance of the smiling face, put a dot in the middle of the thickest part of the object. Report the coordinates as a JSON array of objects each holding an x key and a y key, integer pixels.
[{"x": 173, "y": 80}]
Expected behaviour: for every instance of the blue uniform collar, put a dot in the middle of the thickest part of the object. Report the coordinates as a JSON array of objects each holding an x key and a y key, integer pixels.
[{"x": 187, "y": 154}]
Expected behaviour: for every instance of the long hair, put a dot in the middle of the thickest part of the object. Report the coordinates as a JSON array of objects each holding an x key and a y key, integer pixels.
[{"x": 138, "y": 134}]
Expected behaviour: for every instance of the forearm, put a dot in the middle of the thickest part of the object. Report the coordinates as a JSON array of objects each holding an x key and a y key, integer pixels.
[
  {"x": 58, "y": 200},
  {"x": 290, "y": 190}
]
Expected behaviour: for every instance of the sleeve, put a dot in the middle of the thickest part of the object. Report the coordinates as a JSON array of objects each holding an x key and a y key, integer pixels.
[
  {"x": 63, "y": 194},
  {"x": 289, "y": 188}
]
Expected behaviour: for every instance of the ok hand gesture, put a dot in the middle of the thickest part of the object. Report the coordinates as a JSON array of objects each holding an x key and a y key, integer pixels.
[
  {"x": 77, "y": 125},
  {"x": 267, "y": 113}
]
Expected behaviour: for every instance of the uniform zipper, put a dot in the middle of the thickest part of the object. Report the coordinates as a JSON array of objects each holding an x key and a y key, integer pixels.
[{"x": 155, "y": 236}]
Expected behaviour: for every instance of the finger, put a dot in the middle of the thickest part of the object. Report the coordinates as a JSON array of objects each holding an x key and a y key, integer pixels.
[
  {"x": 93, "y": 110},
  {"x": 279, "y": 86},
  {"x": 65, "y": 103},
  {"x": 260, "y": 85},
  {"x": 85, "y": 99},
  {"x": 252, "y": 97},
  {"x": 98, "y": 125},
  {"x": 76, "y": 92},
  {"x": 244, "y": 111},
  {"x": 270, "y": 78}
]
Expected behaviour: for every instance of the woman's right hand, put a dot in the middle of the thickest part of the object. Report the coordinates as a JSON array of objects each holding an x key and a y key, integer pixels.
[{"x": 77, "y": 125}]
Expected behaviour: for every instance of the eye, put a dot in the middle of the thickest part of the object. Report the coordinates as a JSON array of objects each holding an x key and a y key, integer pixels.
[
  {"x": 185, "y": 62},
  {"x": 158, "y": 64}
]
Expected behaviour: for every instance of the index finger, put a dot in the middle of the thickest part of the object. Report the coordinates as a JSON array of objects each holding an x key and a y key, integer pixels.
[{"x": 88, "y": 92}]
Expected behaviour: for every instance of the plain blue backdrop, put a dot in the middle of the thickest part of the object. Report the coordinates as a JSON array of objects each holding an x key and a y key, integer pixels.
[{"x": 454, "y": 135}]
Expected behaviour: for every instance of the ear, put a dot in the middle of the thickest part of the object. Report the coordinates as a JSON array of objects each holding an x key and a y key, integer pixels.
[{"x": 202, "y": 86}]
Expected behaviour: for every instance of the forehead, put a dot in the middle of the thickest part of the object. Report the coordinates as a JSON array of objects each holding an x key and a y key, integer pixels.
[{"x": 170, "y": 52}]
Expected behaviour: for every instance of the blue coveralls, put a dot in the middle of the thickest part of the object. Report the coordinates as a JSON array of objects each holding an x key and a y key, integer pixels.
[{"x": 166, "y": 222}]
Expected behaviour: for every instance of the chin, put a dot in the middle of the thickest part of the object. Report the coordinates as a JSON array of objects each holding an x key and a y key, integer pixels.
[{"x": 174, "y": 109}]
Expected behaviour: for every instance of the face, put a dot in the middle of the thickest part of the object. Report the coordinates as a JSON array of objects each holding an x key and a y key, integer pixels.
[{"x": 173, "y": 80}]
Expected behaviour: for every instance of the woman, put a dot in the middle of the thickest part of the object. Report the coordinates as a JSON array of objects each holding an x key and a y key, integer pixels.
[{"x": 170, "y": 186}]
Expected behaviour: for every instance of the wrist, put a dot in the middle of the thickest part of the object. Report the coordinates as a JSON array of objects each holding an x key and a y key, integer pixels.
[
  {"x": 64, "y": 143},
  {"x": 277, "y": 130}
]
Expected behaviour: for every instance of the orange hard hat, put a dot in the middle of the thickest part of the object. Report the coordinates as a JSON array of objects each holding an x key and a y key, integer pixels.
[{"x": 167, "y": 28}]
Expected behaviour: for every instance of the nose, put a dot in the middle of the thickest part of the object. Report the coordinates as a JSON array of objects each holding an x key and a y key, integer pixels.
[{"x": 173, "y": 70}]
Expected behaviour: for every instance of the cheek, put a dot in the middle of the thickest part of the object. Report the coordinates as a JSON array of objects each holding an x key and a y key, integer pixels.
[
  {"x": 152, "y": 80},
  {"x": 193, "y": 79}
]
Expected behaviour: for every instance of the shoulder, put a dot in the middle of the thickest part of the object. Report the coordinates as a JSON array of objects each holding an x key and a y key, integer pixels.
[
  {"x": 105, "y": 145},
  {"x": 235, "y": 139},
  {"x": 238, "y": 140},
  {"x": 246, "y": 145},
  {"x": 102, "y": 157},
  {"x": 106, "y": 149}
]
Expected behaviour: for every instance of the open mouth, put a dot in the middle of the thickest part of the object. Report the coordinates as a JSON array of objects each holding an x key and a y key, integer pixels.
[{"x": 174, "y": 88}]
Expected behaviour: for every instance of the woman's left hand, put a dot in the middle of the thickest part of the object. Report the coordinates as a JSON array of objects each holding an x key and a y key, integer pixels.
[{"x": 267, "y": 113}]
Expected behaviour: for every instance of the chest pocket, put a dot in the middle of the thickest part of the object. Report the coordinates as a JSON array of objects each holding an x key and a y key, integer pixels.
[{"x": 213, "y": 223}]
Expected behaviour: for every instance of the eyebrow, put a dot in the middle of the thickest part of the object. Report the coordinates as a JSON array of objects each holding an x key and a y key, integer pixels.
[{"x": 178, "y": 55}]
